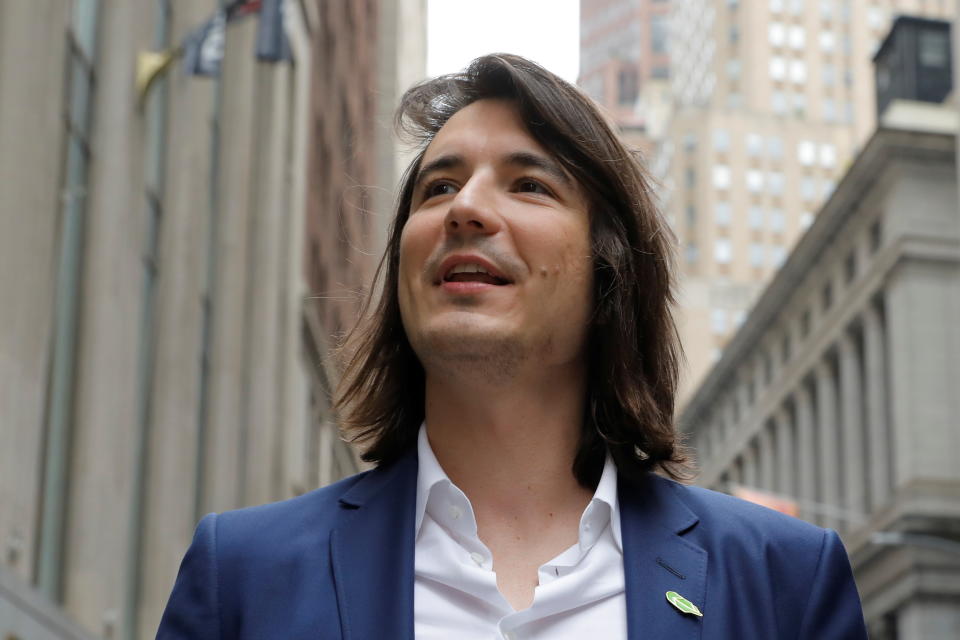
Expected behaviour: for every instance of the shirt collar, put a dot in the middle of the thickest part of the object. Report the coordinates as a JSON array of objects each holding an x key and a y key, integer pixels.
[{"x": 603, "y": 507}]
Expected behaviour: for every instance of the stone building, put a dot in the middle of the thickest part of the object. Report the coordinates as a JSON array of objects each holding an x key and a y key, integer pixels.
[
  {"x": 839, "y": 391},
  {"x": 173, "y": 268},
  {"x": 771, "y": 101}
]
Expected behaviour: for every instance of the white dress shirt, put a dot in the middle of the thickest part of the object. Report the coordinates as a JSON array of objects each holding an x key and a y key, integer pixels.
[{"x": 580, "y": 593}]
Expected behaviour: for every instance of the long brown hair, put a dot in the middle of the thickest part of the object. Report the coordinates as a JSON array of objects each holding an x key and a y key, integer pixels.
[{"x": 633, "y": 346}]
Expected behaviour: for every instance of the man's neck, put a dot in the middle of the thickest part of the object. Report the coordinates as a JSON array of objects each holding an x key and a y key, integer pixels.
[{"x": 510, "y": 447}]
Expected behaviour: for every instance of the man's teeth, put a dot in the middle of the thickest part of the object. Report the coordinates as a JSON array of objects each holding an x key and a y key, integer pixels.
[{"x": 468, "y": 268}]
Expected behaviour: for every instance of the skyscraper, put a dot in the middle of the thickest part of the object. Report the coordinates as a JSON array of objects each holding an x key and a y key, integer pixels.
[{"x": 768, "y": 101}]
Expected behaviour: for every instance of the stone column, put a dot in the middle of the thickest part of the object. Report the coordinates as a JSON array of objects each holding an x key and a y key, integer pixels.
[
  {"x": 766, "y": 457},
  {"x": 828, "y": 443},
  {"x": 851, "y": 403},
  {"x": 877, "y": 432},
  {"x": 806, "y": 454},
  {"x": 750, "y": 465},
  {"x": 786, "y": 451}
]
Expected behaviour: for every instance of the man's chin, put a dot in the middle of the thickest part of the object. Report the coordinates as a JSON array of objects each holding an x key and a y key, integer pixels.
[{"x": 488, "y": 350}]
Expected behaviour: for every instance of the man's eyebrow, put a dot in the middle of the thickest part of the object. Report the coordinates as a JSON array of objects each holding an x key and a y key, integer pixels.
[
  {"x": 448, "y": 161},
  {"x": 537, "y": 161},
  {"x": 525, "y": 159}
]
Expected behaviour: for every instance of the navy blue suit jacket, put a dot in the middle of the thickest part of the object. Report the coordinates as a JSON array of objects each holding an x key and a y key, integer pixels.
[{"x": 337, "y": 563}]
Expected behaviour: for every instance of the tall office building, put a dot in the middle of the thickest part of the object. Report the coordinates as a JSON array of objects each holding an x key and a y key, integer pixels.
[
  {"x": 176, "y": 252},
  {"x": 624, "y": 61},
  {"x": 771, "y": 100},
  {"x": 767, "y": 102}
]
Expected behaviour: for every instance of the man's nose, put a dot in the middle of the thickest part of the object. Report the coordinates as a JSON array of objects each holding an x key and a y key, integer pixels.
[{"x": 473, "y": 209}]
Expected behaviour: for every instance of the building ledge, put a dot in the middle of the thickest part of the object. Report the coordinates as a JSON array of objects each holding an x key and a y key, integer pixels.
[{"x": 925, "y": 117}]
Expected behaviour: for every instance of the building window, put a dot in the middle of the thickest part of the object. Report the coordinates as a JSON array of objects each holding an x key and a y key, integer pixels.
[
  {"x": 798, "y": 71},
  {"x": 733, "y": 68},
  {"x": 828, "y": 155},
  {"x": 828, "y": 74},
  {"x": 722, "y": 213},
  {"x": 756, "y": 255},
  {"x": 658, "y": 33},
  {"x": 756, "y": 217},
  {"x": 808, "y": 188},
  {"x": 691, "y": 215},
  {"x": 777, "y": 34},
  {"x": 799, "y": 105},
  {"x": 722, "y": 251},
  {"x": 721, "y": 140},
  {"x": 850, "y": 267},
  {"x": 689, "y": 142},
  {"x": 778, "y": 102},
  {"x": 934, "y": 49},
  {"x": 778, "y": 68},
  {"x": 627, "y": 86},
  {"x": 829, "y": 110},
  {"x": 777, "y": 255},
  {"x": 690, "y": 177},
  {"x": 797, "y": 37},
  {"x": 754, "y": 144},
  {"x": 692, "y": 253},
  {"x": 806, "y": 153},
  {"x": 81, "y": 48},
  {"x": 775, "y": 183},
  {"x": 718, "y": 321},
  {"x": 777, "y": 220},
  {"x": 806, "y": 219},
  {"x": 828, "y": 41},
  {"x": 876, "y": 236},
  {"x": 721, "y": 176},
  {"x": 826, "y": 9},
  {"x": 755, "y": 180},
  {"x": 775, "y": 147}
]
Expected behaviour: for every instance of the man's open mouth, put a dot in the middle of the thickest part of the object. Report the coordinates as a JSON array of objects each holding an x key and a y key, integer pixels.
[{"x": 472, "y": 272}]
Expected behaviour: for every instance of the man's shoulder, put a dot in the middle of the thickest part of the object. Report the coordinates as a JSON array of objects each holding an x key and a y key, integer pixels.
[{"x": 307, "y": 517}]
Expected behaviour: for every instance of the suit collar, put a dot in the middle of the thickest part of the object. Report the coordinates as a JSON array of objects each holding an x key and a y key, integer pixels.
[
  {"x": 657, "y": 558},
  {"x": 372, "y": 552}
]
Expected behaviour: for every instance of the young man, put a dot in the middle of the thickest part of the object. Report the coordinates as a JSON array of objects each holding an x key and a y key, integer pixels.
[{"x": 515, "y": 387}]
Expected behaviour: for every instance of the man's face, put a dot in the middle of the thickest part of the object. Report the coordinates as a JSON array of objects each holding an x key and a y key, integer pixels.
[{"x": 495, "y": 259}]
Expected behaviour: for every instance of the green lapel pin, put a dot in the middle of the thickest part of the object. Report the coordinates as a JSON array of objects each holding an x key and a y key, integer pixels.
[{"x": 682, "y": 603}]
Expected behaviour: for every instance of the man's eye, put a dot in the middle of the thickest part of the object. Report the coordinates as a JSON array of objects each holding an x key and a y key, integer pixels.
[
  {"x": 532, "y": 186},
  {"x": 438, "y": 189}
]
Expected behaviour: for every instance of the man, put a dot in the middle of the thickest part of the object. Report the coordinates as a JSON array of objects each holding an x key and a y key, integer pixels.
[{"x": 515, "y": 388}]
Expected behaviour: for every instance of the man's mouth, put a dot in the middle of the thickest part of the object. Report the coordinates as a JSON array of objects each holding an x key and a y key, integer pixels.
[{"x": 472, "y": 272}]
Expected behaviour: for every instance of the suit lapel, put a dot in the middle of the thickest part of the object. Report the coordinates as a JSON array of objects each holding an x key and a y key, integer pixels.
[
  {"x": 657, "y": 559},
  {"x": 372, "y": 553}
]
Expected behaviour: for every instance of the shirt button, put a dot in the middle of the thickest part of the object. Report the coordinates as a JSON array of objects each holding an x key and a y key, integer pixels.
[
  {"x": 455, "y": 512},
  {"x": 478, "y": 558}
]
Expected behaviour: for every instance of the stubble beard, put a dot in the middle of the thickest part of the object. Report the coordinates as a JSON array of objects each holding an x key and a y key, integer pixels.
[{"x": 465, "y": 355}]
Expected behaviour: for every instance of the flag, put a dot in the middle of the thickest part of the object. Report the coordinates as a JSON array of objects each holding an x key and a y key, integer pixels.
[
  {"x": 203, "y": 47},
  {"x": 272, "y": 43}
]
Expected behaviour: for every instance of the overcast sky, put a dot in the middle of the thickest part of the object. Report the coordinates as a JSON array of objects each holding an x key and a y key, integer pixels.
[{"x": 546, "y": 31}]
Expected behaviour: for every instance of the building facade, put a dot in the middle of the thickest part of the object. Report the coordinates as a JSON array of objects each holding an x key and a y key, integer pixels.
[
  {"x": 771, "y": 100},
  {"x": 178, "y": 255},
  {"x": 839, "y": 389}
]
